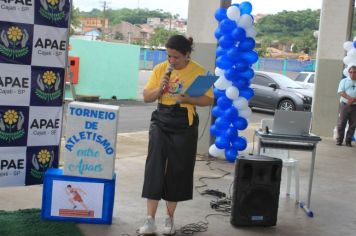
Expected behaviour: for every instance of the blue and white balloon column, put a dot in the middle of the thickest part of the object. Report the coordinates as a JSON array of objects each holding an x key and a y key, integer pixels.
[
  {"x": 350, "y": 59},
  {"x": 235, "y": 57}
]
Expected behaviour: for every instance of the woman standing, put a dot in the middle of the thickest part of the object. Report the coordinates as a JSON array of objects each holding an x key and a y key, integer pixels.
[{"x": 173, "y": 132}]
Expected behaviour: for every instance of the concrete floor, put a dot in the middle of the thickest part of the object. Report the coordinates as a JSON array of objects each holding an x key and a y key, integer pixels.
[{"x": 333, "y": 197}]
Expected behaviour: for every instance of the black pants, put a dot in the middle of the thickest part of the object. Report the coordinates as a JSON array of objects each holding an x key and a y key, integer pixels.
[
  {"x": 171, "y": 155},
  {"x": 347, "y": 114}
]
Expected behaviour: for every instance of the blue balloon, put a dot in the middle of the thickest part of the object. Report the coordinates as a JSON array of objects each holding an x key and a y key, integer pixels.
[
  {"x": 220, "y": 51},
  {"x": 234, "y": 54},
  {"x": 247, "y": 93},
  {"x": 224, "y": 103},
  {"x": 227, "y": 26},
  {"x": 223, "y": 62},
  {"x": 240, "y": 123},
  {"x": 241, "y": 83},
  {"x": 231, "y": 113},
  {"x": 218, "y": 93},
  {"x": 215, "y": 131},
  {"x": 220, "y": 14},
  {"x": 240, "y": 143},
  {"x": 247, "y": 44},
  {"x": 218, "y": 33},
  {"x": 231, "y": 154},
  {"x": 247, "y": 74},
  {"x": 222, "y": 142},
  {"x": 238, "y": 34},
  {"x": 226, "y": 41},
  {"x": 250, "y": 57},
  {"x": 241, "y": 65},
  {"x": 231, "y": 74},
  {"x": 355, "y": 44},
  {"x": 222, "y": 123},
  {"x": 231, "y": 133},
  {"x": 245, "y": 8},
  {"x": 217, "y": 112}
]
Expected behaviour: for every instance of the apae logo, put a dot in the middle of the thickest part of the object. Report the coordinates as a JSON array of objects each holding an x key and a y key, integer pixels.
[
  {"x": 40, "y": 162},
  {"x": 11, "y": 123},
  {"x": 52, "y": 9},
  {"x": 48, "y": 86},
  {"x": 13, "y": 42}
]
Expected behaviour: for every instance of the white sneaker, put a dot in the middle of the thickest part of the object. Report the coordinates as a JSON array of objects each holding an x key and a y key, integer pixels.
[
  {"x": 148, "y": 227},
  {"x": 169, "y": 228}
]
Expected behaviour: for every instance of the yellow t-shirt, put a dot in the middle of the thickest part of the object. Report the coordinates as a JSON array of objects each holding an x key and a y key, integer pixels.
[{"x": 179, "y": 81}]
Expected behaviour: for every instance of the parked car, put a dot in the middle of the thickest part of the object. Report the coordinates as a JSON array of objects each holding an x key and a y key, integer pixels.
[
  {"x": 306, "y": 79},
  {"x": 276, "y": 91}
]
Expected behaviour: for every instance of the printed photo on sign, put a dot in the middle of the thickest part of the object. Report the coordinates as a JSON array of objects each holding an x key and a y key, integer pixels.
[
  {"x": 39, "y": 159},
  {"x": 15, "y": 84},
  {"x": 44, "y": 126},
  {"x": 77, "y": 199},
  {"x": 15, "y": 43},
  {"x": 49, "y": 46},
  {"x": 17, "y": 11},
  {"x": 12, "y": 166},
  {"x": 13, "y": 126},
  {"x": 47, "y": 86},
  {"x": 52, "y": 13}
]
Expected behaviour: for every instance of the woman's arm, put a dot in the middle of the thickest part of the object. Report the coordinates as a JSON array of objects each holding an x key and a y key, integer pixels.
[{"x": 198, "y": 101}]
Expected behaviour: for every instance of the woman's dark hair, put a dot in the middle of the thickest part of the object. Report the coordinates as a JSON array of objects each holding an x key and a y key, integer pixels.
[{"x": 180, "y": 43}]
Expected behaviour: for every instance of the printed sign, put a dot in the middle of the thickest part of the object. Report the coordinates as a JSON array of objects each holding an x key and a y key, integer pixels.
[
  {"x": 12, "y": 166},
  {"x": 77, "y": 199},
  {"x": 33, "y": 44},
  {"x": 15, "y": 84},
  {"x": 90, "y": 146}
]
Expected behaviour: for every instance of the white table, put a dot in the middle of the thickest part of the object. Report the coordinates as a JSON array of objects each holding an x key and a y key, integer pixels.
[{"x": 292, "y": 142}]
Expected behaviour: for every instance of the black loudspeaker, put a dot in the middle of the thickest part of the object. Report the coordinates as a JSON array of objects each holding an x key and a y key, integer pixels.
[{"x": 256, "y": 191}]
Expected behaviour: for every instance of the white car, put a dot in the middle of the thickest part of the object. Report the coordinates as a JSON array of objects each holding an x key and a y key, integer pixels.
[{"x": 306, "y": 79}]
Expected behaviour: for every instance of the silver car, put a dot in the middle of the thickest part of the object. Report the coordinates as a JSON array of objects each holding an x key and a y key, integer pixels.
[
  {"x": 306, "y": 79},
  {"x": 276, "y": 91}
]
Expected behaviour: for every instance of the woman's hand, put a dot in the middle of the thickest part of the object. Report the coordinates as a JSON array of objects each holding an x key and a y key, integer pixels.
[
  {"x": 164, "y": 83},
  {"x": 184, "y": 98}
]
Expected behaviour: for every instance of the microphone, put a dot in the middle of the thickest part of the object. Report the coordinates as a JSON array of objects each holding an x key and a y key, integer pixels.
[
  {"x": 169, "y": 70},
  {"x": 168, "y": 73}
]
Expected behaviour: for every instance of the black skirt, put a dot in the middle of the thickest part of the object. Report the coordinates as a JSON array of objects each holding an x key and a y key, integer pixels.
[{"x": 171, "y": 156}]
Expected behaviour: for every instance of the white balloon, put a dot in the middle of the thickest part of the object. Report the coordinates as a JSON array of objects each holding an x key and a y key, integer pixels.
[
  {"x": 348, "y": 45},
  {"x": 352, "y": 52},
  {"x": 245, "y": 21},
  {"x": 347, "y": 60},
  {"x": 245, "y": 113},
  {"x": 232, "y": 92},
  {"x": 251, "y": 32},
  {"x": 222, "y": 83},
  {"x": 241, "y": 103},
  {"x": 215, "y": 151},
  {"x": 233, "y": 13},
  {"x": 345, "y": 72},
  {"x": 219, "y": 72}
]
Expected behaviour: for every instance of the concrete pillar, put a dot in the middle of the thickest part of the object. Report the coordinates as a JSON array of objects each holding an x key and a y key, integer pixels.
[
  {"x": 334, "y": 30},
  {"x": 201, "y": 26}
]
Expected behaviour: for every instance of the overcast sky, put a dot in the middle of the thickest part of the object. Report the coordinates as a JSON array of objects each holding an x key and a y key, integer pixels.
[{"x": 181, "y": 6}]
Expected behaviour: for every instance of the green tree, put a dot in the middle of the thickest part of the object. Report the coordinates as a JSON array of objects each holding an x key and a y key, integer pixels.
[
  {"x": 118, "y": 36},
  {"x": 290, "y": 28},
  {"x": 74, "y": 18},
  {"x": 160, "y": 37}
]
